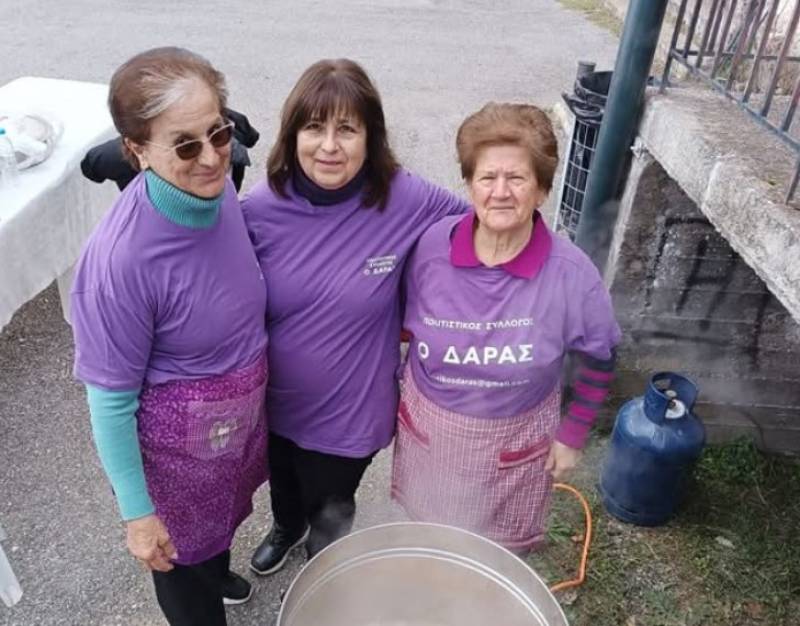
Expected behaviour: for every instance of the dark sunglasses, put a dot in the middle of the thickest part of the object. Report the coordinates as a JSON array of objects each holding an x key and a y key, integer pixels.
[{"x": 188, "y": 150}]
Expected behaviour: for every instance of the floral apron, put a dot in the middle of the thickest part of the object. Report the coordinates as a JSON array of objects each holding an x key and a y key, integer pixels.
[{"x": 204, "y": 447}]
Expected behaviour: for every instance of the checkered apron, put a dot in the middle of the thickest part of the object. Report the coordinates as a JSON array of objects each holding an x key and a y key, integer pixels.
[{"x": 484, "y": 475}]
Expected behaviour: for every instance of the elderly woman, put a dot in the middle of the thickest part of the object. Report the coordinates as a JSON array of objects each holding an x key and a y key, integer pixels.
[
  {"x": 168, "y": 312},
  {"x": 494, "y": 303},
  {"x": 332, "y": 226}
]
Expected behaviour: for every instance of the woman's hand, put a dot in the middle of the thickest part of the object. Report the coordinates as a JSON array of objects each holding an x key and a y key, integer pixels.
[
  {"x": 149, "y": 541},
  {"x": 561, "y": 460}
]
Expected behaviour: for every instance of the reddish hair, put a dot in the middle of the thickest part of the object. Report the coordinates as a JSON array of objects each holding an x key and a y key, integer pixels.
[{"x": 522, "y": 125}]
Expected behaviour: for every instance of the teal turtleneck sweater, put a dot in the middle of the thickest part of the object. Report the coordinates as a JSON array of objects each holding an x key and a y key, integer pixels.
[
  {"x": 179, "y": 206},
  {"x": 113, "y": 413}
]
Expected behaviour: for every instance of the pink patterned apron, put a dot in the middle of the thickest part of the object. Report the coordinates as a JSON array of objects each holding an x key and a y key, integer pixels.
[
  {"x": 204, "y": 446},
  {"x": 483, "y": 475}
]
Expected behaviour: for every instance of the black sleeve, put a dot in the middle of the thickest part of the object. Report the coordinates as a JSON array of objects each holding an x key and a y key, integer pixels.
[
  {"x": 105, "y": 162},
  {"x": 245, "y": 134}
]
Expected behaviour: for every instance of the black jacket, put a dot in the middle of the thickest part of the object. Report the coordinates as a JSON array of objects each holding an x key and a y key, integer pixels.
[{"x": 105, "y": 162}]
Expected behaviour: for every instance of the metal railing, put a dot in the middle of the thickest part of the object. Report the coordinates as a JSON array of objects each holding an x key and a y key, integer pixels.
[{"x": 732, "y": 52}]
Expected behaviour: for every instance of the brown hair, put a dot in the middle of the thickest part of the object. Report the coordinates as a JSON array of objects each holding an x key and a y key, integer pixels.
[
  {"x": 521, "y": 125},
  {"x": 149, "y": 83},
  {"x": 328, "y": 87}
]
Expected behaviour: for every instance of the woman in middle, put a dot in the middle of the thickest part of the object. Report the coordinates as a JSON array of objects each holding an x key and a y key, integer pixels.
[{"x": 332, "y": 226}]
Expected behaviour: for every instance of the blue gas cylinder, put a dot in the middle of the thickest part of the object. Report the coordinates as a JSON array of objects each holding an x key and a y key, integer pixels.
[{"x": 655, "y": 442}]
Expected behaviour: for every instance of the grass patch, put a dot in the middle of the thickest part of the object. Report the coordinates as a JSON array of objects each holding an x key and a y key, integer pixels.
[
  {"x": 730, "y": 556},
  {"x": 596, "y": 12}
]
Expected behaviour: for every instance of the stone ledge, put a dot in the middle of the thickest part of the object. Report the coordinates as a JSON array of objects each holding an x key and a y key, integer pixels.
[{"x": 737, "y": 172}]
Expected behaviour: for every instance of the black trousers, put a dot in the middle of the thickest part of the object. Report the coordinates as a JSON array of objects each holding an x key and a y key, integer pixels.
[
  {"x": 313, "y": 488},
  {"x": 191, "y": 595}
]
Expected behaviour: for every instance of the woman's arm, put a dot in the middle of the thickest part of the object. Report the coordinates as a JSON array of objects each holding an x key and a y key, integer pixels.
[
  {"x": 112, "y": 346},
  {"x": 590, "y": 388},
  {"x": 593, "y": 335},
  {"x": 436, "y": 202},
  {"x": 113, "y": 417}
]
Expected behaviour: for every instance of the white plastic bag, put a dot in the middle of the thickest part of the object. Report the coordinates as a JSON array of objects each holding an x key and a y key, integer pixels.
[
  {"x": 10, "y": 591},
  {"x": 33, "y": 135}
]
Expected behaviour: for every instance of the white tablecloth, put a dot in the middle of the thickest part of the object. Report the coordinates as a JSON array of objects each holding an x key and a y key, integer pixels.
[
  {"x": 48, "y": 215},
  {"x": 10, "y": 591}
]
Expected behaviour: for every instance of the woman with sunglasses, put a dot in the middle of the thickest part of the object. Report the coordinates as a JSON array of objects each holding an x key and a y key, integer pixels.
[
  {"x": 168, "y": 310},
  {"x": 333, "y": 225}
]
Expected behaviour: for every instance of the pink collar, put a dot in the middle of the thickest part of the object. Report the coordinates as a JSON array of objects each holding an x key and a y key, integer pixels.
[{"x": 525, "y": 265}]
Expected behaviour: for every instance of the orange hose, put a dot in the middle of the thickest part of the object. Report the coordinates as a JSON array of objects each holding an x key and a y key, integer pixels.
[{"x": 586, "y": 541}]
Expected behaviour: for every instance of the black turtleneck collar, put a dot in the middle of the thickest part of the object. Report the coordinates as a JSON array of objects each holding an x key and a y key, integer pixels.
[{"x": 319, "y": 196}]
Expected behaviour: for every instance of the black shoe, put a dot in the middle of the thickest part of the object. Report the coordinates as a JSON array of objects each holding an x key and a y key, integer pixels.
[
  {"x": 271, "y": 555},
  {"x": 235, "y": 589}
]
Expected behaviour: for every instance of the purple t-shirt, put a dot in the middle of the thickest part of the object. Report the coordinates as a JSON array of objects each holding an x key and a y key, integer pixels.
[
  {"x": 490, "y": 342},
  {"x": 155, "y": 301},
  {"x": 333, "y": 277}
]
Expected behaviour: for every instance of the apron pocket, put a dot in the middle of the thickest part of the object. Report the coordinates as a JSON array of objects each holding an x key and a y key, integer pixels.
[
  {"x": 515, "y": 458},
  {"x": 218, "y": 428},
  {"x": 521, "y": 513}
]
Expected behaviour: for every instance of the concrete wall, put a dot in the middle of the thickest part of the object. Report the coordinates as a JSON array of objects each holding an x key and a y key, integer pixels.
[
  {"x": 687, "y": 302},
  {"x": 704, "y": 265}
]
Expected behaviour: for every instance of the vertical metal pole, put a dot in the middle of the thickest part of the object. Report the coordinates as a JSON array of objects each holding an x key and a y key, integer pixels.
[
  {"x": 712, "y": 45},
  {"x": 787, "y": 119},
  {"x": 692, "y": 25},
  {"x": 793, "y": 184},
  {"x": 745, "y": 37},
  {"x": 787, "y": 44},
  {"x": 621, "y": 118},
  {"x": 762, "y": 47},
  {"x": 673, "y": 46},
  {"x": 711, "y": 21},
  {"x": 723, "y": 41}
]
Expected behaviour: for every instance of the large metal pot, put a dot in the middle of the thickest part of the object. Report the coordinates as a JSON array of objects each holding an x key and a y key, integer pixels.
[{"x": 414, "y": 574}]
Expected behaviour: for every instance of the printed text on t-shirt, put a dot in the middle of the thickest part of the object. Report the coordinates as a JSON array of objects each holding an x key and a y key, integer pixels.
[
  {"x": 519, "y": 322},
  {"x": 484, "y": 355},
  {"x": 379, "y": 264}
]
